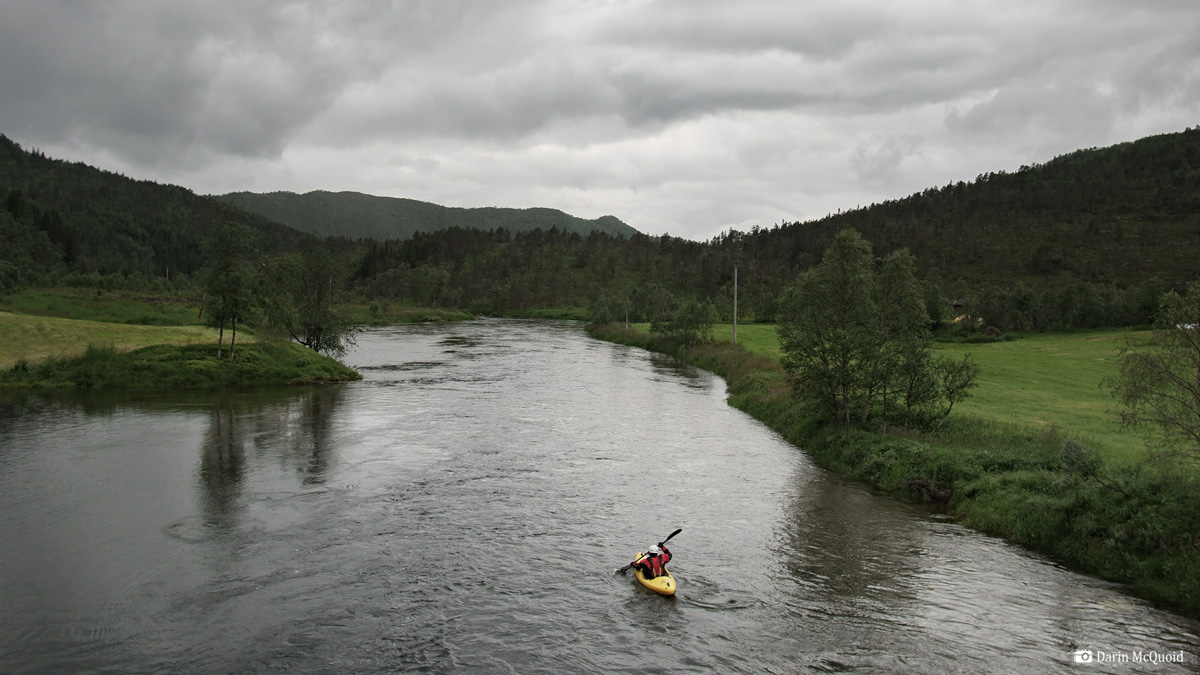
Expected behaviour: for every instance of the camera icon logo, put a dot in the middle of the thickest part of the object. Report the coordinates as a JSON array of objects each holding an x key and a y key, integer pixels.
[{"x": 1083, "y": 656}]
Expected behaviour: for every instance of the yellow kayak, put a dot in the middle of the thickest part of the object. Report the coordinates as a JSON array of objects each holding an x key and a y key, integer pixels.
[{"x": 663, "y": 585}]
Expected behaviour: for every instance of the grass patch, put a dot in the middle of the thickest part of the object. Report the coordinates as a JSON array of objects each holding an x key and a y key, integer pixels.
[
  {"x": 173, "y": 366},
  {"x": 104, "y": 306},
  {"x": 1052, "y": 380},
  {"x": 171, "y": 310},
  {"x": 759, "y": 338},
  {"x": 35, "y": 338}
]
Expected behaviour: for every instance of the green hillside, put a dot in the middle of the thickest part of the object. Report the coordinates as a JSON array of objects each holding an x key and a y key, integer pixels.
[
  {"x": 1087, "y": 240},
  {"x": 59, "y": 218},
  {"x": 360, "y": 216},
  {"x": 1115, "y": 215}
]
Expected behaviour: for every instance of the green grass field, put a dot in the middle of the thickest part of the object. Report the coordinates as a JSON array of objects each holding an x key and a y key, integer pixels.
[
  {"x": 759, "y": 338},
  {"x": 39, "y": 323},
  {"x": 1040, "y": 381},
  {"x": 108, "y": 306},
  {"x": 35, "y": 338},
  {"x": 1052, "y": 380},
  {"x": 75, "y": 338}
]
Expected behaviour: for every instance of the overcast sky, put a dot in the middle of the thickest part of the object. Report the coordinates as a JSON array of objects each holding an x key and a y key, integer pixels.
[{"x": 686, "y": 117}]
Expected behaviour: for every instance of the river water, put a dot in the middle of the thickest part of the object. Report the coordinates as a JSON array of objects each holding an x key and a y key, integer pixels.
[{"x": 463, "y": 509}]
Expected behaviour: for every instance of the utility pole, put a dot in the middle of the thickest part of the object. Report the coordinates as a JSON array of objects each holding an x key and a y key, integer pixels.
[{"x": 735, "y": 304}]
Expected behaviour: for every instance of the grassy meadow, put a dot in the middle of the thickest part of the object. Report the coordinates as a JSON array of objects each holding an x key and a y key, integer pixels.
[
  {"x": 1041, "y": 382},
  {"x": 39, "y": 323},
  {"x": 107, "y": 306},
  {"x": 31, "y": 338},
  {"x": 47, "y": 351},
  {"x": 1052, "y": 381},
  {"x": 759, "y": 338},
  {"x": 385, "y": 313}
]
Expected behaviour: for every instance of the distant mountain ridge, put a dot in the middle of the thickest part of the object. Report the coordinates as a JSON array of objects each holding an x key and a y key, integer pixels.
[{"x": 361, "y": 216}]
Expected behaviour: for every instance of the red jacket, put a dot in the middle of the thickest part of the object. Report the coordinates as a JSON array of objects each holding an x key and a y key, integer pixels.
[{"x": 652, "y": 565}]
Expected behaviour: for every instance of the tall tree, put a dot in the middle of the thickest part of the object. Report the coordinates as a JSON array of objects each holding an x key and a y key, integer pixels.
[
  {"x": 827, "y": 325},
  {"x": 903, "y": 338},
  {"x": 855, "y": 339},
  {"x": 229, "y": 279},
  {"x": 302, "y": 291},
  {"x": 1159, "y": 379}
]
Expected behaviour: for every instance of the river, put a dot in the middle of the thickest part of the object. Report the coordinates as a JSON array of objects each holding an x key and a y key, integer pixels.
[{"x": 463, "y": 509}]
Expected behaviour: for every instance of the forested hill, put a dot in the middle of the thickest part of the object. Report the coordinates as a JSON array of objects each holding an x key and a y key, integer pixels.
[
  {"x": 359, "y": 216},
  {"x": 59, "y": 217},
  {"x": 1116, "y": 215},
  {"x": 1088, "y": 239}
]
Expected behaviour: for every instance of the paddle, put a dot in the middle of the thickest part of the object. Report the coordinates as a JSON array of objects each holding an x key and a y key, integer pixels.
[{"x": 623, "y": 569}]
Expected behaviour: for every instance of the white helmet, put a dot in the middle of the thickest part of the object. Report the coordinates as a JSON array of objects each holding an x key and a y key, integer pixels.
[{"x": 654, "y": 550}]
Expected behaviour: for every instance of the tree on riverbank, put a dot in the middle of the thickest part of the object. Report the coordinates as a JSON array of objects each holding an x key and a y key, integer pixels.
[
  {"x": 856, "y": 343},
  {"x": 228, "y": 280},
  {"x": 1159, "y": 380},
  {"x": 301, "y": 292},
  {"x": 687, "y": 322}
]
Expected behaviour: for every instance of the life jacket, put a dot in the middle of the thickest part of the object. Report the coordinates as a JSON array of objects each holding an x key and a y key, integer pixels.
[{"x": 652, "y": 565}]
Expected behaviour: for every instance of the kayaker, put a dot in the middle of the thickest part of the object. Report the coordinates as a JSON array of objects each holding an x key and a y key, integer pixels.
[{"x": 652, "y": 563}]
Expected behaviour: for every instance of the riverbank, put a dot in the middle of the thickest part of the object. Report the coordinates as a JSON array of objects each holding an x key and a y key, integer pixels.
[
  {"x": 1136, "y": 523},
  {"x": 52, "y": 352},
  {"x": 1039, "y": 382},
  {"x": 269, "y": 362},
  {"x": 88, "y": 338}
]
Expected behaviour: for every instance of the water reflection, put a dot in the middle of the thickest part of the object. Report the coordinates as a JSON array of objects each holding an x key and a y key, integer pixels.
[
  {"x": 222, "y": 463},
  {"x": 313, "y": 445},
  {"x": 296, "y": 429},
  {"x": 671, "y": 369},
  {"x": 844, "y": 545},
  {"x": 292, "y": 427}
]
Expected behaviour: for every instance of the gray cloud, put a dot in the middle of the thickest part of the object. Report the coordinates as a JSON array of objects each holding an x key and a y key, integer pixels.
[
  {"x": 878, "y": 164},
  {"x": 680, "y": 115},
  {"x": 235, "y": 77}
]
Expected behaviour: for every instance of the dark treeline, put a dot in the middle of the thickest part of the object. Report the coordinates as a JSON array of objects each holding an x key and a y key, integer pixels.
[
  {"x": 1116, "y": 215},
  {"x": 1088, "y": 239},
  {"x": 67, "y": 223},
  {"x": 498, "y": 271}
]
